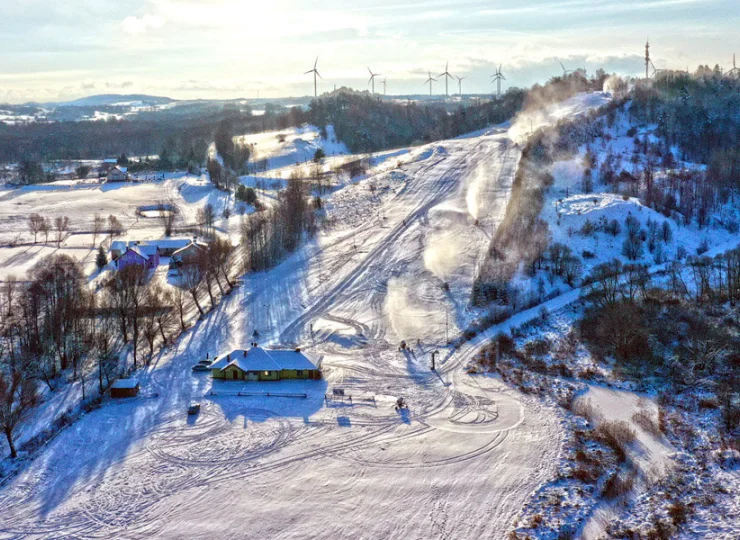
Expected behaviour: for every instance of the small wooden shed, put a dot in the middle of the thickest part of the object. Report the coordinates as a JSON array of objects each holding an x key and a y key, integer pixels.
[{"x": 122, "y": 388}]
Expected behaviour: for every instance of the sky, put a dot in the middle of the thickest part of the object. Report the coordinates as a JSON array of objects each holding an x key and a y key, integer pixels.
[{"x": 53, "y": 50}]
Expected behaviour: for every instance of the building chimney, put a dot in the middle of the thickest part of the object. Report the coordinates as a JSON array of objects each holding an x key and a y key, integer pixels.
[
  {"x": 245, "y": 353},
  {"x": 297, "y": 349}
]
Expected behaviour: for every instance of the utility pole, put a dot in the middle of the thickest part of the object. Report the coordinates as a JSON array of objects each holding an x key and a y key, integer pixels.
[{"x": 447, "y": 325}]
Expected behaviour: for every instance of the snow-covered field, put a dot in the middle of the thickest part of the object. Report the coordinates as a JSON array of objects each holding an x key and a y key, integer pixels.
[
  {"x": 460, "y": 463},
  {"x": 292, "y": 146}
]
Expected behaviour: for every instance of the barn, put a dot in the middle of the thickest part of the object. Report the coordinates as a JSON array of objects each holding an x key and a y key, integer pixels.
[
  {"x": 188, "y": 254},
  {"x": 117, "y": 174},
  {"x": 258, "y": 364},
  {"x": 123, "y": 388}
]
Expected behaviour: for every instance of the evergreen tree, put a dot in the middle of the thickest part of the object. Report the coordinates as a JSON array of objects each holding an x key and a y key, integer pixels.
[{"x": 101, "y": 260}]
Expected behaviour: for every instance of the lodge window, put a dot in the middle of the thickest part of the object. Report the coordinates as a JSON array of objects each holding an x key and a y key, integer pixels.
[{"x": 299, "y": 372}]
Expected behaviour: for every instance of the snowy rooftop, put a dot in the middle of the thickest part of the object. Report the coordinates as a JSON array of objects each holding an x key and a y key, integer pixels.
[
  {"x": 118, "y": 245},
  {"x": 143, "y": 251},
  {"x": 259, "y": 359},
  {"x": 151, "y": 245},
  {"x": 125, "y": 383}
]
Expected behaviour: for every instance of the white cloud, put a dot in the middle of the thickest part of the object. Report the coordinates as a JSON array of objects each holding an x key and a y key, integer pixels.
[{"x": 139, "y": 25}]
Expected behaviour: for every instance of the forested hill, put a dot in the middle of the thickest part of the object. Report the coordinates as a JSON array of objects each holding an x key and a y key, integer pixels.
[
  {"x": 698, "y": 113},
  {"x": 177, "y": 130},
  {"x": 366, "y": 123}
]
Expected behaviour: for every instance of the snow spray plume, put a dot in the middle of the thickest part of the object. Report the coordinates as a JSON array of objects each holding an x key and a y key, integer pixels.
[
  {"x": 616, "y": 86},
  {"x": 538, "y": 106}
]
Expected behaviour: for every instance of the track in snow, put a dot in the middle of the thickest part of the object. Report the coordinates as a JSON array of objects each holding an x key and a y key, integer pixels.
[{"x": 459, "y": 463}]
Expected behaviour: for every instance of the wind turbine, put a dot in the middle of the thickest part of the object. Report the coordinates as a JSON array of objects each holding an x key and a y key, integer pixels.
[
  {"x": 447, "y": 75},
  {"x": 384, "y": 83},
  {"x": 430, "y": 80},
  {"x": 565, "y": 71},
  {"x": 315, "y": 73},
  {"x": 372, "y": 78},
  {"x": 498, "y": 77},
  {"x": 459, "y": 84},
  {"x": 656, "y": 71},
  {"x": 735, "y": 70}
]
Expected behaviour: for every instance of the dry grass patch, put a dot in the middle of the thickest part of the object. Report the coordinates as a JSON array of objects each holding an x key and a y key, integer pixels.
[
  {"x": 646, "y": 421},
  {"x": 617, "y": 435}
]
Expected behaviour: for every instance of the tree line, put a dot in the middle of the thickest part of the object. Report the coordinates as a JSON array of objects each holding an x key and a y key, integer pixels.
[
  {"x": 54, "y": 328},
  {"x": 368, "y": 124},
  {"x": 178, "y": 139}
]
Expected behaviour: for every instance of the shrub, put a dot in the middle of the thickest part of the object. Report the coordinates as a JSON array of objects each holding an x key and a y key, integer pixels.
[
  {"x": 646, "y": 421},
  {"x": 584, "y": 475},
  {"x": 584, "y": 408},
  {"x": 537, "y": 347},
  {"x": 708, "y": 403},
  {"x": 616, "y": 434},
  {"x": 246, "y": 194},
  {"x": 679, "y": 513},
  {"x": 618, "y": 485}
]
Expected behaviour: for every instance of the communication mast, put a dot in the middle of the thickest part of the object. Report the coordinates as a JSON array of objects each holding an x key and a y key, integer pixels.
[{"x": 647, "y": 58}]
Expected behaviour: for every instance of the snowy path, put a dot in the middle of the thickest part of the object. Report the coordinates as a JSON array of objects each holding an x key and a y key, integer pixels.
[{"x": 459, "y": 464}]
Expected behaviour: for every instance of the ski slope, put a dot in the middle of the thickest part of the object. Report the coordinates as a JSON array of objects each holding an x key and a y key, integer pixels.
[{"x": 459, "y": 463}]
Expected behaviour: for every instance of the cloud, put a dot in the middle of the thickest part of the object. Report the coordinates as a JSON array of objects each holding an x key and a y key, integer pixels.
[
  {"x": 124, "y": 84},
  {"x": 139, "y": 25}
]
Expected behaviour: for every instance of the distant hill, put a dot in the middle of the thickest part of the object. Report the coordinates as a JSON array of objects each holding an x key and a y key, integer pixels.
[{"x": 103, "y": 100}]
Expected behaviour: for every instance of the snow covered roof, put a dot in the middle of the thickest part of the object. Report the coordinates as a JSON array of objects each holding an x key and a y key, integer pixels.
[
  {"x": 140, "y": 252},
  {"x": 125, "y": 383},
  {"x": 150, "y": 246},
  {"x": 148, "y": 249},
  {"x": 291, "y": 359},
  {"x": 118, "y": 245},
  {"x": 167, "y": 243},
  {"x": 191, "y": 245},
  {"x": 259, "y": 359}
]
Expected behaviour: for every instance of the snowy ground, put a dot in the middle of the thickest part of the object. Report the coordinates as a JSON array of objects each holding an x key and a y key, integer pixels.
[{"x": 460, "y": 463}]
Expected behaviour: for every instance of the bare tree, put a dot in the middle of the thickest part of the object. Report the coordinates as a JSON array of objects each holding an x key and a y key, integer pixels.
[
  {"x": 221, "y": 251},
  {"x": 605, "y": 279},
  {"x": 18, "y": 395},
  {"x": 150, "y": 332},
  {"x": 98, "y": 223},
  {"x": 167, "y": 217},
  {"x": 152, "y": 308},
  {"x": 10, "y": 286},
  {"x": 61, "y": 225},
  {"x": 209, "y": 272},
  {"x": 164, "y": 314},
  {"x": 35, "y": 224},
  {"x": 104, "y": 352},
  {"x": 126, "y": 296},
  {"x": 115, "y": 227},
  {"x": 178, "y": 297},
  {"x": 58, "y": 299},
  {"x": 46, "y": 228},
  {"x": 206, "y": 217},
  {"x": 192, "y": 276}
]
